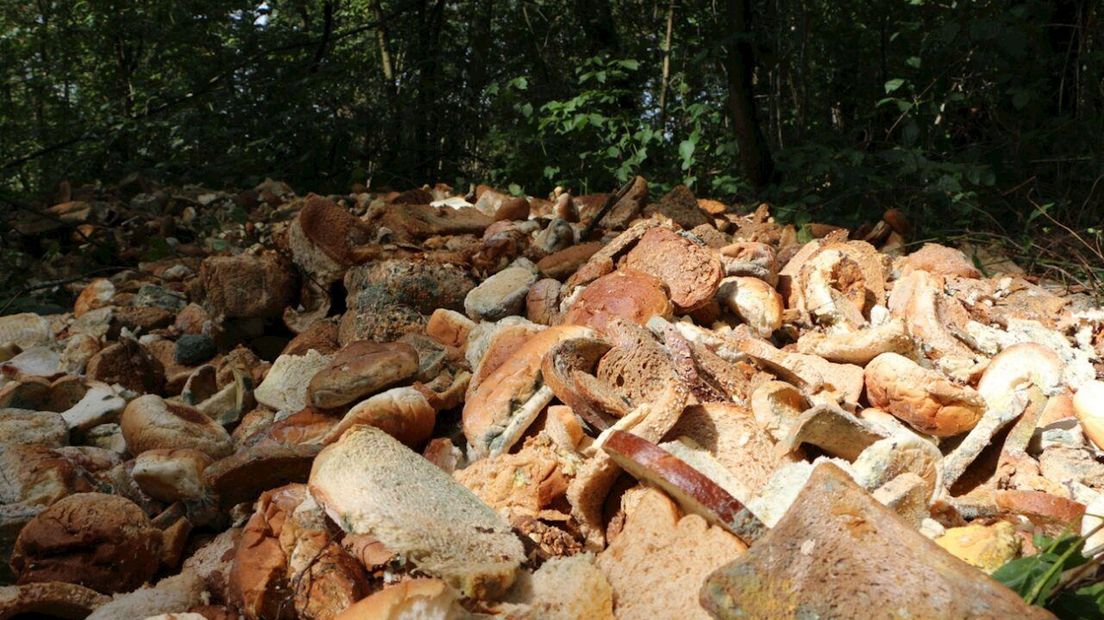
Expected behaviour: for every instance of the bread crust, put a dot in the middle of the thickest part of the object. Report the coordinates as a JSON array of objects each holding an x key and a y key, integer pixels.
[
  {"x": 149, "y": 423},
  {"x": 103, "y": 542},
  {"x": 692, "y": 273},
  {"x": 923, "y": 398}
]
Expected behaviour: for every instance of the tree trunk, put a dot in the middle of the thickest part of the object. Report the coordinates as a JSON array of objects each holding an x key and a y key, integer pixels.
[
  {"x": 755, "y": 157},
  {"x": 666, "y": 75}
]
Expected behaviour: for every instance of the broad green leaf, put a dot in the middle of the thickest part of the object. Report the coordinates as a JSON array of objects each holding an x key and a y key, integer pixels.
[{"x": 686, "y": 152}]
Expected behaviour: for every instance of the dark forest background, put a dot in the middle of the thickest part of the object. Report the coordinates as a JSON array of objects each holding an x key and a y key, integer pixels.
[{"x": 982, "y": 113}]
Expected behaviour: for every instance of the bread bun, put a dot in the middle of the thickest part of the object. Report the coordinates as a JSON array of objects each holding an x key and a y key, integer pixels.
[
  {"x": 171, "y": 475},
  {"x": 360, "y": 369},
  {"x": 754, "y": 301},
  {"x": 414, "y": 599},
  {"x": 150, "y": 422},
  {"x": 923, "y": 398},
  {"x": 629, "y": 294},
  {"x": 449, "y": 327},
  {"x": 404, "y": 413},
  {"x": 103, "y": 542}
]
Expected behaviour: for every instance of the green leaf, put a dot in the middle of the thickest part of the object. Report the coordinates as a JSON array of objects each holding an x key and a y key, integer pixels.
[
  {"x": 893, "y": 85},
  {"x": 686, "y": 152},
  {"x": 913, "y": 61},
  {"x": 1085, "y": 602},
  {"x": 1035, "y": 577}
]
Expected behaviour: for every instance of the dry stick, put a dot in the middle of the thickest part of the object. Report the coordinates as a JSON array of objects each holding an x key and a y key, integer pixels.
[
  {"x": 612, "y": 200},
  {"x": 54, "y": 283}
]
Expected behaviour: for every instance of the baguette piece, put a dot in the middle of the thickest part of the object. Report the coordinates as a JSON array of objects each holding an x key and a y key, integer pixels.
[{"x": 370, "y": 483}]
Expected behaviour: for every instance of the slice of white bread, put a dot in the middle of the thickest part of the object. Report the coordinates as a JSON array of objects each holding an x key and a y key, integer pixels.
[
  {"x": 171, "y": 594},
  {"x": 730, "y": 433},
  {"x": 563, "y": 588},
  {"x": 370, "y": 483},
  {"x": 660, "y": 559}
]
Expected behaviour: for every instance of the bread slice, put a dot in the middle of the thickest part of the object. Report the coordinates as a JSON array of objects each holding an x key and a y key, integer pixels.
[
  {"x": 564, "y": 588},
  {"x": 694, "y": 490},
  {"x": 171, "y": 594},
  {"x": 51, "y": 599},
  {"x": 691, "y": 272},
  {"x": 658, "y": 562},
  {"x": 730, "y": 433},
  {"x": 370, "y": 483}
]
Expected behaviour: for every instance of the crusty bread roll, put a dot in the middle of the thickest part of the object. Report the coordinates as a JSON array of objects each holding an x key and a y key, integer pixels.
[
  {"x": 629, "y": 294},
  {"x": 449, "y": 327},
  {"x": 359, "y": 369},
  {"x": 369, "y": 483},
  {"x": 404, "y": 413},
  {"x": 150, "y": 422},
  {"x": 104, "y": 542},
  {"x": 1088, "y": 404},
  {"x": 414, "y": 599},
  {"x": 171, "y": 475},
  {"x": 499, "y": 410},
  {"x": 754, "y": 301},
  {"x": 923, "y": 398}
]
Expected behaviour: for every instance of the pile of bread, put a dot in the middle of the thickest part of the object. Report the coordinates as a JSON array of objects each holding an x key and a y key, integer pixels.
[{"x": 429, "y": 405}]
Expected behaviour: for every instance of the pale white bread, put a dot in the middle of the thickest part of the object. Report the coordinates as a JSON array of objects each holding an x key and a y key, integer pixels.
[
  {"x": 689, "y": 452},
  {"x": 171, "y": 594},
  {"x": 416, "y": 599},
  {"x": 784, "y": 486},
  {"x": 564, "y": 588},
  {"x": 370, "y": 483},
  {"x": 730, "y": 434},
  {"x": 660, "y": 559}
]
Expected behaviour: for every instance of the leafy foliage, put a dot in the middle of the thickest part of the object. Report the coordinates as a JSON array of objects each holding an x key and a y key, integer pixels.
[
  {"x": 1039, "y": 578},
  {"x": 960, "y": 113}
]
